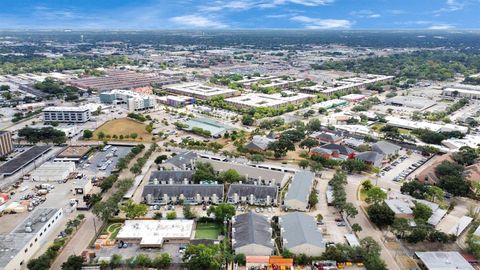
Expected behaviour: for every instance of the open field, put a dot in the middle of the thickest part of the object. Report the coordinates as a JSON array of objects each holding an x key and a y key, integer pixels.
[
  {"x": 207, "y": 231},
  {"x": 123, "y": 128}
]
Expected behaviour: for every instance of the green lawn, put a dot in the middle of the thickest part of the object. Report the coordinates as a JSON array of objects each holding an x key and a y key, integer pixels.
[{"x": 207, "y": 231}]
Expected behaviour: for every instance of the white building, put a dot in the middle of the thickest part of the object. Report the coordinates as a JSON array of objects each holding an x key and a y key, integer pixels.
[
  {"x": 256, "y": 100},
  {"x": 153, "y": 233},
  {"x": 200, "y": 91},
  {"x": 53, "y": 171},
  {"x": 20, "y": 245},
  {"x": 66, "y": 114},
  {"x": 132, "y": 101}
]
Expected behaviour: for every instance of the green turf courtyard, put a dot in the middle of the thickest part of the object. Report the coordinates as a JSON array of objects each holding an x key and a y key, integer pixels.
[{"x": 207, "y": 231}]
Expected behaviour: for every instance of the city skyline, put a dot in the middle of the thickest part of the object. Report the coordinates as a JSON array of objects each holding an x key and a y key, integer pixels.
[{"x": 240, "y": 14}]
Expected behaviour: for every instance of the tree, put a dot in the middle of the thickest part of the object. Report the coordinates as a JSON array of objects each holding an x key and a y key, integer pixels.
[
  {"x": 73, "y": 263},
  {"x": 87, "y": 134},
  {"x": 188, "y": 213},
  {"x": 309, "y": 143},
  {"x": 171, "y": 215},
  {"x": 133, "y": 210},
  {"x": 367, "y": 185},
  {"x": 204, "y": 172},
  {"x": 100, "y": 135},
  {"x": 381, "y": 215},
  {"x": 281, "y": 147},
  {"x": 247, "y": 120},
  {"x": 202, "y": 257},
  {"x": 435, "y": 194},
  {"x": 230, "y": 176},
  {"x": 240, "y": 259},
  {"x": 354, "y": 165},
  {"x": 4, "y": 87},
  {"x": 350, "y": 210},
  {"x": 356, "y": 227},
  {"x": 315, "y": 124},
  {"x": 303, "y": 163},
  {"x": 162, "y": 261},
  {"x": 466, "y": 156},
  {"x": 115, "y": 261},
  {"x": 313, "y": 198},
  {"x": 256, "y": 158},
  {"x": 149, "y": 128},
  {"x": 223, "y": 211},
  {"x": 143, "y": 260},
  {"x": 160, "y": 159},
  {"x": 376, "y": 195},
  {"x": 422, "y": 211},
  {"x": 417, "y": 234},
  {"x": 319, "y": 217},
  {"x": 400, "y": 227},
  {"x": 133, "y": 135}
]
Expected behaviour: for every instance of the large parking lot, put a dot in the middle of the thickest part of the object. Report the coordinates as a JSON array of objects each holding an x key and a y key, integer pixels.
[
  {"x": 93, "y": 165},
  {"x": 402, "y": 167}
]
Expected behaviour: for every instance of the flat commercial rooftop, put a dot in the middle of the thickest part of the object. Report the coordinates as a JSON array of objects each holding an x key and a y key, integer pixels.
[
  {"x": 200, "y": 90},
  {"x": 154, "y": 232},
  {"x": 439, "y": 260},
  {"x": 23, "y": 160},
  {"x": 268, "y": 100},
  {"x": 74, "y": 151}
]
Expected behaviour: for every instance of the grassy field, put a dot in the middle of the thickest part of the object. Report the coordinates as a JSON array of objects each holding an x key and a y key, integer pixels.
[
  {"x": 207, "y": 231},
  {"x": 124, "y": 127}
]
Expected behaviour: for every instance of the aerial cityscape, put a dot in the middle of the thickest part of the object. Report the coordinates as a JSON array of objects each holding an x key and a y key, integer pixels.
[{"x": 240, "y": 135}]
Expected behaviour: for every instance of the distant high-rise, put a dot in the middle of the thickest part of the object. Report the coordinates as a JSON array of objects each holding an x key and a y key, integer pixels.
[{"x": 81, "y": 38}]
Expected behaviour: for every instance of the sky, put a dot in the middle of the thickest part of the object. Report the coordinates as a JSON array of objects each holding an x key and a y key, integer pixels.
[{"x": 240, "y": 14}]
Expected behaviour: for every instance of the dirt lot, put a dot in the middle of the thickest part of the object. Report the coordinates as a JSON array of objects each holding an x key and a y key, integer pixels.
[{"x": 124, "y": 126}]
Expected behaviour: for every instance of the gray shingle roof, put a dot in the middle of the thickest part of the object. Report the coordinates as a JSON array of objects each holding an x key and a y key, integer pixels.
[
  {"x": 299, "y": 229},
  {"x": 301, "y": 185},
  {"x": 259, "y": 142},
  {"x": 251, "y": 228},
  {"x": 370, "y": 156},
  {"x": 384, "y": 147},
  {"x": 188, "y": 191},
  {"x": 182, "y": 158},
  {"x": 342, "y": 149},
  {"x": 259, "y": 191},
  {"x": 177, "y": 176}
]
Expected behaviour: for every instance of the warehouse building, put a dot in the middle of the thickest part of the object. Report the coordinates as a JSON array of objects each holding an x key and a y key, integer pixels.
[
  {"x": 66, "y": 114},
  {"x": 419, "y": 103},
  {"x": 20, "y": 245},
  {"x": 200, "y": 91},
  {"x": 53, "y": 171},
  {"x": 130, "y": 100},
  {"x": 300, "y": 234},
  {"x": 216, "y": 128},
  {"x": 296, "y": 197},
  {"x": 252, "y": 194},
  {"x": 252, "y": 235},
  {"x": 6, "y": 143},
  {"x": 23, "y": 160}
]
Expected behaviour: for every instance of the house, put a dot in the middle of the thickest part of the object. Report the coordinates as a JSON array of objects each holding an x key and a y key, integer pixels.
[
  {"x": 335, "y": 151},
  {"x": 253, "y": 175},
  {"x": 443, "y": 260},
  {"x": 300, "y": 234},
  {"x": 328, "y": 138},
  {"x": 472, "y": 172},
  {"x": 385, "y": 148},
  {"x": 252, "y": 235},
  {"x": 252, "y": 194},
  {"x": 401, "y": 208},
  {"x": 192, "y": 194},
  {"x": 427, "y": 174},
  {"x": 259, "y": 143},
  {"x": 371, "y": 158},
  {"x": 181, "y": 161},
  {"x": 171, "y": 177},
  {"x": 299, "y": 191}
]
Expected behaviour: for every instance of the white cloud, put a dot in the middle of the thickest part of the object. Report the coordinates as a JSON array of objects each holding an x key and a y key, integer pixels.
[
  {"x": 366, "y": 14},
  {"x": 197, "y": 21},
  {"x": 451, "y": 6},
  {"x": 239, "y": 5},
  {"x": 316, "y": 23},
  {"x": 441, "y": 27}
]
